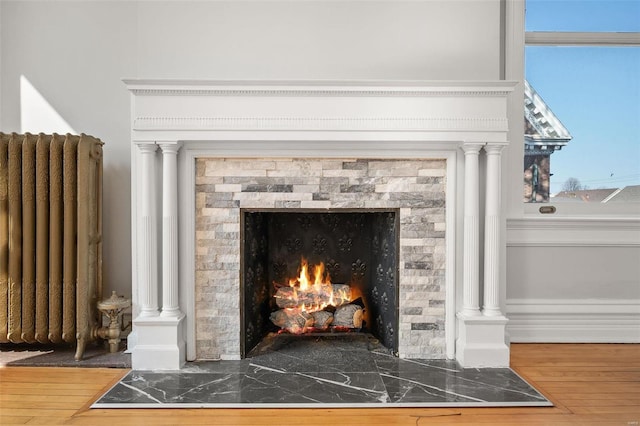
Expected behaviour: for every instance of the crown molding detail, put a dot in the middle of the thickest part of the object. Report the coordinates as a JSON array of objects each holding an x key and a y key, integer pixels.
[
  {"x": 319, "y": 93},
  {"x": 322, "y": 123},
  {"x": 328, "y": 88}
]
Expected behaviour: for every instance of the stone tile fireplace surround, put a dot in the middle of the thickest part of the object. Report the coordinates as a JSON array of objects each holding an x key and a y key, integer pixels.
[
  {"x": 415, "y": 187},
  {"x": 202, "y": 148}
]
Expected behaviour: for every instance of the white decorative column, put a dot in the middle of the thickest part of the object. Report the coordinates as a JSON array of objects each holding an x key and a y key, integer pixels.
[
  {"x": 147, "y": 246},
  {"x": 481, "y": 336},
  {"x": 161, "y": 344},
  {"x": 471, "y": 249},
  {"x": 170, "y": 306},
  {"x": 492, "y": 232}
]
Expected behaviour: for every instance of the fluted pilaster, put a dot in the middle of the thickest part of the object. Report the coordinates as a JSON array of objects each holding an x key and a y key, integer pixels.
[
  {"x": 147, "y": 239},
  {"x": 492, "y": 231},
  {"x": 170, "y": 305},
  {"x": 471, "y": 253}
]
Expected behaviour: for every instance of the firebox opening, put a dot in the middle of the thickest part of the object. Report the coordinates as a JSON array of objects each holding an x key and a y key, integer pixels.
[{"x": 319, "y": 271}]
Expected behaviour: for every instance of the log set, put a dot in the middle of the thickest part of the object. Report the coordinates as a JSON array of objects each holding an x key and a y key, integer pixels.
[{"x": 345, "y": 317}]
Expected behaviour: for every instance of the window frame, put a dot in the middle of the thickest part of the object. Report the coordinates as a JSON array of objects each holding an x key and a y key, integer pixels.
[{"x": 516, "y": 39}]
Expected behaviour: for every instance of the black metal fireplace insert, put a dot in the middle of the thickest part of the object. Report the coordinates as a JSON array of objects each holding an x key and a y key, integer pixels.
[{"x": 358, "y": 248}]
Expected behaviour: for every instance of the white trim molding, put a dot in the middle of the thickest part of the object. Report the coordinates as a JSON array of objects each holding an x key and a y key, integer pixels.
[
  {"x": 573, "y": 232},
  {"x": 574, "y": 321}
]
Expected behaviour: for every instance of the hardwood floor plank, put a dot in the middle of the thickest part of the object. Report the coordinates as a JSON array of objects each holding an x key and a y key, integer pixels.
[
  {"x": 601, "y": 399},
  {"x": 35, "y": 398},
  {"x": 578, "y": 369},
  {"x": 44, "y": 404},
  {"x": 587, "y": 376},
  {"x": 60, "y": 387},
  {"x": 62, "y": 375},
  {"x": 617, "y": 409},
  {"x": 52, "y": 421},
  {"x": 590, "y": 387},
  {"x": 41, "y": 412},
  {"x": 14, "y": 420}
]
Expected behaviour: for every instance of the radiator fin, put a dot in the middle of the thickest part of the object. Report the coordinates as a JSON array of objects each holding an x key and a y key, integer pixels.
[{"x": 4, "y": 237}]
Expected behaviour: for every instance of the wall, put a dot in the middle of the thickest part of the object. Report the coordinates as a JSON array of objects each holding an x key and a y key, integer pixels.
[
  {"x": 574, "y": 279},
  {"x": 76, "y": 54},
  {"x": 320, "y": 39}
]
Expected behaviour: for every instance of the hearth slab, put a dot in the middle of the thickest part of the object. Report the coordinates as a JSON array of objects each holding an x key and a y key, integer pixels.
[
  {"x": 313, "y": 354},
  {"x": 300, "y": 375},
  {"x": 432, "y": 380}
]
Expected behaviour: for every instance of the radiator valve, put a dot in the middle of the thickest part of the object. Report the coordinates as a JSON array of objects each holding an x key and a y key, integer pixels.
[{"x": 112, "y": 308}]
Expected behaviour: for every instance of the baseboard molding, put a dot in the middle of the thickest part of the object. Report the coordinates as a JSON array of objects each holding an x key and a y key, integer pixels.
[{"x": 573, "y": 321}]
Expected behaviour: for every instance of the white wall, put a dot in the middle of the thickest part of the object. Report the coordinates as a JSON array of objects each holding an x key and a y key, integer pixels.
[
  {"x": 574, "y": 273},
  {"x": 76, "y": 54},
  {"x": 320, "y": 39}
]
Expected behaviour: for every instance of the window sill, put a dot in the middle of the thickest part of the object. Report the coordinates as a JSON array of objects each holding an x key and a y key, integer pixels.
[{"x": 578, "y": 210}]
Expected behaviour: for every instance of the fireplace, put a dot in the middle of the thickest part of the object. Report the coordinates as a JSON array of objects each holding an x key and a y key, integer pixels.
[
  {"x": 238, "y": 156},
  {"x": 306, "y": 271}
]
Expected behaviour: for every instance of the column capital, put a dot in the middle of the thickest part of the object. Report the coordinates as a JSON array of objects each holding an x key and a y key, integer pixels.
[
  {"x": 494, "y": 147},
  {"x": 146, "y": 146},
  {"x": 472, "y": 147},
  {"x": 170, "y": 146}
]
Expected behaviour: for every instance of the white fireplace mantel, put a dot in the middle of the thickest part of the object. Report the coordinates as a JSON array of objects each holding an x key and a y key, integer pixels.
[{"x": 175, "y": 122}]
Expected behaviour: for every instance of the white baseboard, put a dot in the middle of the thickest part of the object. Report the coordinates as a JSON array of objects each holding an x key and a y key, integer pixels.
[{"x": 573, "y": 321}]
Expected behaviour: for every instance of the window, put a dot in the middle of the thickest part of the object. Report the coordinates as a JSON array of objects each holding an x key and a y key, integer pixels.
[{"x": 582, "y": 101}]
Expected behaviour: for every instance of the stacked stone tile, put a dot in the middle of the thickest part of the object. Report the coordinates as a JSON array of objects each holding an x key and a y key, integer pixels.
[{"x": 415, "y": 187}]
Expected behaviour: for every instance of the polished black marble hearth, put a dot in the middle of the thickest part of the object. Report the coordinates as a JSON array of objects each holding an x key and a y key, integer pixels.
[{"x": 328, "y": 371}]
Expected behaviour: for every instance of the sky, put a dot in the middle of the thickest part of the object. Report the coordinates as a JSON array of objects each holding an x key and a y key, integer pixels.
[{"x": 594, "y": 91}]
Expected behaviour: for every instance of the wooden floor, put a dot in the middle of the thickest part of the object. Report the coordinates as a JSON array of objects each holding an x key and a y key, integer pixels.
[{"x": 589, "y": 385}]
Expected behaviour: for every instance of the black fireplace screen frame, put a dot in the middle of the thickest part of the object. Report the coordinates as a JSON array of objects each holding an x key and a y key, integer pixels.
[{"x": 358, "y": 246}]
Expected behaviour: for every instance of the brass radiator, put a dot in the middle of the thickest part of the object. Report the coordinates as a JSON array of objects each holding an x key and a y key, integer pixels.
[{"x": 50, "y": 238}]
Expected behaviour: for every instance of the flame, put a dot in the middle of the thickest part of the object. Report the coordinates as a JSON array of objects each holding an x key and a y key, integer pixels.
[
  {"x": 304, "y": 281},
  {"x": 312, "y": 291}
]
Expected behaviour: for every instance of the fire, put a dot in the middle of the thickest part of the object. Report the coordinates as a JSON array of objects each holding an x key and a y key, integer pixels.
[
  {"x": 303, "y": 281},
  {"x": 306, "y": 295}
]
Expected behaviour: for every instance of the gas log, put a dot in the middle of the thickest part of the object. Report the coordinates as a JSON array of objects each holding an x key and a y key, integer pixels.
[
  {"x": 338, "y": 311},
  {"x": 322, "y": 319},
  {"x": 348, "y": 316},
  {"x": 292, "y": 320},
  {"x": 291, "y": 297}
]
